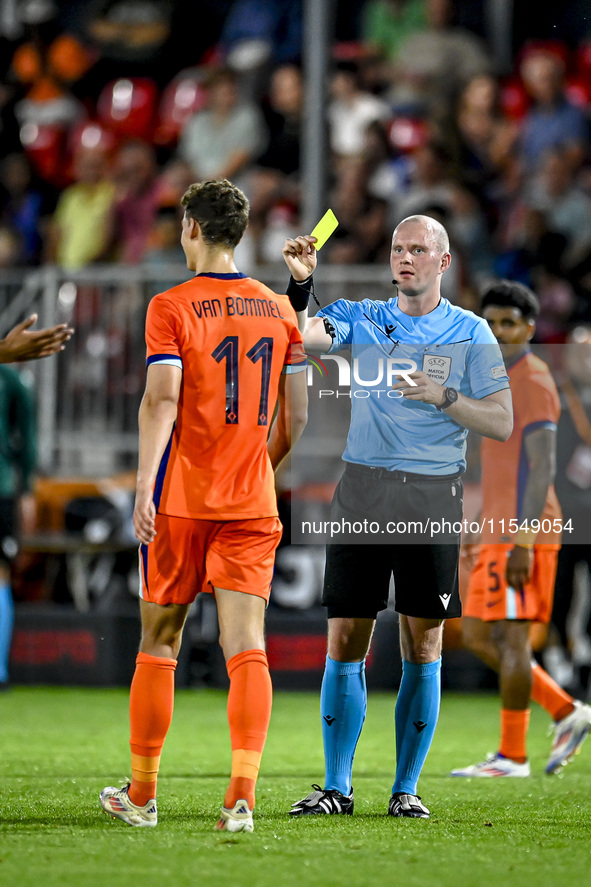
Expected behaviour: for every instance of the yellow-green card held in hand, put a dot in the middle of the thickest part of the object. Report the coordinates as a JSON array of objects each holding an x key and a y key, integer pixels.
[{"x": 327, "y": 224}]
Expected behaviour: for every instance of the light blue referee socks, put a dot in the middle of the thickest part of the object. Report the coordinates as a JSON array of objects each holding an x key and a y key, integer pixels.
[
  {"x": 343, "y": 703},
  {"x": 417, "y": 710},
  {"x": 6, "y": 623}
]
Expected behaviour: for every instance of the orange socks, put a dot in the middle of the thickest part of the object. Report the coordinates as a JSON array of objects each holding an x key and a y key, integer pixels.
[
  {"x": 249, "y": 712},
  {"x": 514, "y": 726},
  {"x": 150, "y": 713},
  {"x": 553, "y": 699},
  {"x": 546, "y": 692}
]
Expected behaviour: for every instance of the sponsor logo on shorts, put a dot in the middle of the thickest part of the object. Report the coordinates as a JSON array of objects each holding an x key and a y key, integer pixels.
[
  {"x": 445, "y": 599},
  {"x": 329, "y": 720},
  {"x": 420, "y": 726}
]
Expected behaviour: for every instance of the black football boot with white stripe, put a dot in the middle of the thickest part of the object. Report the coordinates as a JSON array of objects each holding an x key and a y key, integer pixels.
[
  {"x": 321, "y": 801},
  {"x": 402, "y": 804}
]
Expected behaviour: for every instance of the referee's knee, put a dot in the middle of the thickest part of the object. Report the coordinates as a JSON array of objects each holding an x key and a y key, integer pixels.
[{"x": 349, "y": 638}]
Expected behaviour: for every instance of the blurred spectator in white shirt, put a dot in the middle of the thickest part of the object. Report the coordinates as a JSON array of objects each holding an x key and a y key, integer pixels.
[
  {"x": 351, "y": 110},
  {"x": 221, "y": 141}
]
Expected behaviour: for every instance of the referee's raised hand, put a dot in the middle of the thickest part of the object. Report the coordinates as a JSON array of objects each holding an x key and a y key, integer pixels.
[{"x": 300, "y": 256}]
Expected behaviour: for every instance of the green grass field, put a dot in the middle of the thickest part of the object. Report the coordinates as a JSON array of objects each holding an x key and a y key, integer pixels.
[{"x": 60, "y": 746}]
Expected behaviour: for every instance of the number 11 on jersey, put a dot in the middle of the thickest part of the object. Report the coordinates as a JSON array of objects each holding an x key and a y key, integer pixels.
[{"x": 261, "y": 351}]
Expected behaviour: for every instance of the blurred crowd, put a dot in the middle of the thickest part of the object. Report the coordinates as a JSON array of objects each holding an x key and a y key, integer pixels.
[{"x": 109, "y": 109}]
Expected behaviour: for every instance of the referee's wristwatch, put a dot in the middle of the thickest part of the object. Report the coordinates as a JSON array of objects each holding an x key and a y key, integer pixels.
[{"x": 451, "y": 395}]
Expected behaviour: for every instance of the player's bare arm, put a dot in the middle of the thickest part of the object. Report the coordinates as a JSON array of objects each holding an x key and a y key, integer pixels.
[
  {"x": 540, "y": 449},
  {"x": 492, "y": 416},
  {"x": 291, "y": 418},
  {"x": 23, "y": 344},
  {"x": 315, "y": 336},
  {"x": 157, "y": 415}
]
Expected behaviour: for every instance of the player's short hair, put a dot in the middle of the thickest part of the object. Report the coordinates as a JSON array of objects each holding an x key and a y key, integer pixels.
[
  {"x": 219, "y": 208},
  {"x": 435, "y": 229},
  {"x": 511, "y": 294}
]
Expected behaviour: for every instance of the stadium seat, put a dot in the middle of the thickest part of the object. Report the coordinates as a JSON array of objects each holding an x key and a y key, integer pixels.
[
  {"x": 407, "y": 133},
  {"x": 91, "y": 134},
  {"x": 45, "y": 148},
  {"x": 350, "y": 51},
  {"x": 583, "y": 58},
  {"x": 578, "y": 91},
  {"x": 552, "y": 47},
  {"x": 513, "y": 99},
  {"x": 182, "y": 97},
  {"x": 127, "y": 107}
]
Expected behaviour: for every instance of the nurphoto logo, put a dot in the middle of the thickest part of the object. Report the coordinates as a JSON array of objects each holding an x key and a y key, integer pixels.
[{"x": 387, "y": 372}]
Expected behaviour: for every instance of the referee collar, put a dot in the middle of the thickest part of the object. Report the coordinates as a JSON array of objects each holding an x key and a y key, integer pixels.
[{"x": 439, "y": 307}]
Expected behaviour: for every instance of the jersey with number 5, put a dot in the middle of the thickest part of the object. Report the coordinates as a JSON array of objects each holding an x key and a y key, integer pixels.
[{"x": 232, "y": 338}]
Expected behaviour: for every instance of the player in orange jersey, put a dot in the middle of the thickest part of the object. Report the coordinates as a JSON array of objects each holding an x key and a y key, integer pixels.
[
  {"x": 223, "y": 352},
  {"x": 512, "y": 584}
]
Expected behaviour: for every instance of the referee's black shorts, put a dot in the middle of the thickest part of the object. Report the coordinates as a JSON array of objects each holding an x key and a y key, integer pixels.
[{"x": 424, "y": 566}]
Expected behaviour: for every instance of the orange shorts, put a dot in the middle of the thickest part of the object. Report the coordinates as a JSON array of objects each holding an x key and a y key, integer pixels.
[
  {"x": 188, "y": 556},
  {"x": 491, "y": 599}
]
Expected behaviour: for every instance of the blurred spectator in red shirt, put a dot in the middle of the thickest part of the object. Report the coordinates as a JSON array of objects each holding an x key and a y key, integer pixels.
[{"x": 137, "y": 200}]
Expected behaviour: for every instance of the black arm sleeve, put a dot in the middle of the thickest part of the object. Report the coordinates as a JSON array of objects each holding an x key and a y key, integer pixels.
[{"x": 298, "y": 292}]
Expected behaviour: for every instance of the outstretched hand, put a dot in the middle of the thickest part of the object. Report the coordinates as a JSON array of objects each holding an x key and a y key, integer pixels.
[
  {"x": 20, "y": 344},
  {"x": 300, "y": 256}
]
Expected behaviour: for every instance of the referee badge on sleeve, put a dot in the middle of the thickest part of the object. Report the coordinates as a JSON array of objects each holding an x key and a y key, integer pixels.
[{"x": 437, "y": 367}]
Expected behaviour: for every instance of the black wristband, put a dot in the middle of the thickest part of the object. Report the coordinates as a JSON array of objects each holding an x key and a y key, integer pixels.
[{"x": 298, "y": 292}]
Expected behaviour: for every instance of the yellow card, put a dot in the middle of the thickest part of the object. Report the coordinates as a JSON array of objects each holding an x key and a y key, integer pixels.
[{"x": 327, "y": 224}]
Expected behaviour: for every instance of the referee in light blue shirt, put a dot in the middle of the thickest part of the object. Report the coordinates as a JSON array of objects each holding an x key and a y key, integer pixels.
[{"x": 425, "y": 372}]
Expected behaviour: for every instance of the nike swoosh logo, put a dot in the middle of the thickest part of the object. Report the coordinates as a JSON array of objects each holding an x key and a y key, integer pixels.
[{"x": 494, "y": 603}]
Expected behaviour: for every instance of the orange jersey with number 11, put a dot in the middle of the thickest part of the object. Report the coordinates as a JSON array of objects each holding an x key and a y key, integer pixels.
[{"x": 232, "y": 338}]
